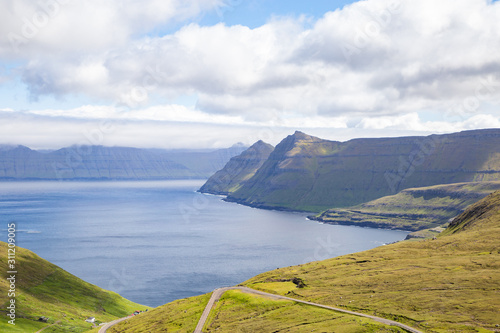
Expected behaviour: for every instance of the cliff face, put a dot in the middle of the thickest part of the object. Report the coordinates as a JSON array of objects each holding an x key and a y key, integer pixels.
[
  {"x": 97, "y": 162},
  {"x": 238, "y": 170},
  {"x": 310, "y": 174}
]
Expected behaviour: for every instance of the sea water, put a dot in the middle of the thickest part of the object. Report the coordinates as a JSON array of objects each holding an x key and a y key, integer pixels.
[{"x": 157, "y": 241}]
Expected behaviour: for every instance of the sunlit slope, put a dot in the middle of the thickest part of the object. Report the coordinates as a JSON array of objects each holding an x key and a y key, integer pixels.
[
  {"x": 43, "y": 289},
  {"x": 180, "y": 316},
  {"x": 412, "y": 209},
  {"x": 310, "y": 174},
  {"x": 450, "y": 284}
]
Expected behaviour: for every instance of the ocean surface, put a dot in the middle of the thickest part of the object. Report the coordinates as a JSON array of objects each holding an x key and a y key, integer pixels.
[{"x": 157, "y": 241}]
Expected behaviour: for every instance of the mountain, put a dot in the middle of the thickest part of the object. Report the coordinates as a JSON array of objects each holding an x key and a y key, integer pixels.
[
  {"x": 105, "y": 163},
  {"x": 447, "y": 284},
  {"x": 412, "y": 209},
  {"x": 43, "y": 289},
  {"x": 305, "y": 173},
  {"x": 238, "y": 170}
]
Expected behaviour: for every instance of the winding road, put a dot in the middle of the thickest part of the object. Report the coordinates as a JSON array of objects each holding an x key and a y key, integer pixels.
[
  {"x": 216, "y": 295},
  {"x": 105, "y": 327}
]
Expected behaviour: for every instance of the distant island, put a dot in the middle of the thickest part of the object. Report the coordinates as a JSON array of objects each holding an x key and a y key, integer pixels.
[{"x": 111, "y": 163}]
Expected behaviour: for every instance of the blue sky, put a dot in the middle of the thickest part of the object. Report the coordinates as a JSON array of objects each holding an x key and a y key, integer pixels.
[
  {"x": 254, "y": 13},
  {"x": 209, "y": 73}
]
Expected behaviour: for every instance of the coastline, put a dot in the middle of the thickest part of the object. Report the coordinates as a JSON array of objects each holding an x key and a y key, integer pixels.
[{"x": 372, "y": 225}]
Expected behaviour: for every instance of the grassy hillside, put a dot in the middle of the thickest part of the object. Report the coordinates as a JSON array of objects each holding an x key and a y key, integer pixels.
[
  {"x": 305, "y": 173},
  {"x": 412, "y": 209},
  {"x": 180, "y": 316},
  {"x": 43, "y": 289},
  {"x": 240, "y": 312},
  {"x": 450, "y": 284}
]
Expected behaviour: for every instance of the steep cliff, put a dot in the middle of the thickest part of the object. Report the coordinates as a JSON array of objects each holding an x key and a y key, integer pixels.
[{"x": 238, "y": 170}]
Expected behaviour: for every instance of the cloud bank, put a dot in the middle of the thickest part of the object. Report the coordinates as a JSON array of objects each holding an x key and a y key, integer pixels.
[{"x": 415, "y": 65}]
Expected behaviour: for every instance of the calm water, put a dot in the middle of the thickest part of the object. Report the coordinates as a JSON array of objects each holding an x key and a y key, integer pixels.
[{"x": 154, "y": 242}]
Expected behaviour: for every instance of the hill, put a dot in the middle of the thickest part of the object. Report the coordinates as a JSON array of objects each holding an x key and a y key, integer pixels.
[
  {"x": 412, "y": 209},
  {"x": 43, "y": 289},
  {"x": 110, "y": 163},
  {"x": 238, "y": 170},
  {"x": 485, "y": 214},
  {"x": 305, "y": 173},
  {"x": 448, "y": 284}
]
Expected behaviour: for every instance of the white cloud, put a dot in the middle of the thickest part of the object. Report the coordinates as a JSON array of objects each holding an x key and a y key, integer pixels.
[
  {"x": 30, "y": 28},
  {"x": 49, "y": 130},
  {"x": 373, "y": 65},
  {"x": 412, "y": 122}
]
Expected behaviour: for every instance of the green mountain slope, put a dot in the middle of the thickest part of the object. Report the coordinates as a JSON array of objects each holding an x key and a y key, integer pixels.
[
  {"x": 238, "y": 170},
  {"x": 484, "y": 214},
  {"x": 43, "y": 289},
  {"x": 305, "y": 173},
  {"x": 412, "y": 209},
  {"x": 449, "y": 284}
]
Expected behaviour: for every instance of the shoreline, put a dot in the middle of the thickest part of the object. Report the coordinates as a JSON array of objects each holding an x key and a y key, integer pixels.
[{"x": 371, "y": 225}]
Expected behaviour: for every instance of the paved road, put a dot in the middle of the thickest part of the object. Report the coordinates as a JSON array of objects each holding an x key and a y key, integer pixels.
[
  {"x": 216, "y": 295},
  {"x": 105, "y": 327}
]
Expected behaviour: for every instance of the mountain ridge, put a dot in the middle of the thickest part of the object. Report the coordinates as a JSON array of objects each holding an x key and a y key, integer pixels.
[
  {"x": 110, "y": 163},
  {"x": 305, "y": 173},
  {"x": 238, "y": 170}
]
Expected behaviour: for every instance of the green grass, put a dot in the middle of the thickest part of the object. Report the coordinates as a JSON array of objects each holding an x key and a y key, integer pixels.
[
  {"x": 451, "y": 284},
  {"x": 240, "y": 312},
  {"x": 43, "y": 289},
  {"x": 180, "y": 316},
  {"x": 281, "y": 288}
]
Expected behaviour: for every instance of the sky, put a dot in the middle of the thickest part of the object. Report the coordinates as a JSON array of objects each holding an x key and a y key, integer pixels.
[{"x": 211, "y": 73}]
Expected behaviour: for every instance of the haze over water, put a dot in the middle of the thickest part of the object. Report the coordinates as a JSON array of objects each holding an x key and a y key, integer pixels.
[{"x": 157, "y": 241}]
